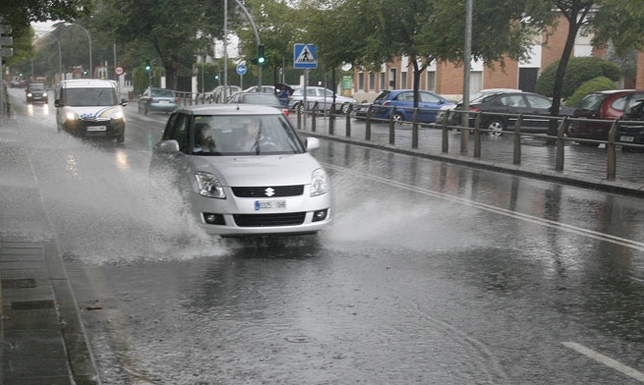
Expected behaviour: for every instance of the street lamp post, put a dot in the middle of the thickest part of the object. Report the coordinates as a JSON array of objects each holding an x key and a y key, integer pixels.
[{"x": 91, "y": 69}]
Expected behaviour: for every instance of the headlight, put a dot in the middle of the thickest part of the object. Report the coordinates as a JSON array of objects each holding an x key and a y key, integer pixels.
[
  {"x": 209, "y": 186},
  {"x": 118, "y": 114},
  {"x": 44, "y": 94},
  {"x": 28, "y": 94},
  {"x": 71, "y": 115},
  {"x": 319, "y": 183}
]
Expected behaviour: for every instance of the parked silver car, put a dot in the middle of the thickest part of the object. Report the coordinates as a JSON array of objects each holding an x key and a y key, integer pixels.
[
  {"x": 244, "y": 170},
  {"x": 323, "y": 96}
]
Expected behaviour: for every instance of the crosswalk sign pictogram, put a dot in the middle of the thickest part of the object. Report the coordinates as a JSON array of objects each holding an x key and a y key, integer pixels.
[{"x": 305, "y": 56}]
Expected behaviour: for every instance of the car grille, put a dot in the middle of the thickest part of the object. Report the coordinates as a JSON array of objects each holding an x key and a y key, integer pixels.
[
  {"x": 271, "y": 192},
  {"x": 269, "y": 220}
]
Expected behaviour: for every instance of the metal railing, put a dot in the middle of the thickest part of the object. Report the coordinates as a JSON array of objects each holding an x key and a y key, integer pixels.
[{"x": 450, "y": 118}]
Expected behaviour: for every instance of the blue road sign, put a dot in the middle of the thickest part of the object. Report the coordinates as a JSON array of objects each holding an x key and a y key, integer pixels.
[
  {"x": 305, "y": 56},
  {"x": 241, "y": 69}
]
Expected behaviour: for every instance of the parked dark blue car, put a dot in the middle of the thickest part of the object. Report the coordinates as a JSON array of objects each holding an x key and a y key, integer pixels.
[{"x": 428, "y": 104}]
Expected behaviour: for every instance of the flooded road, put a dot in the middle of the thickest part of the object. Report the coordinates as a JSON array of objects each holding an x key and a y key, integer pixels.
[{"x": 432, "y": 274}]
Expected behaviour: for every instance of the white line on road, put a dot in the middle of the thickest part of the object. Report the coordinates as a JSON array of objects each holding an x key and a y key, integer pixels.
[
  {"x": 513, "y": 214},
  {"x": 605, "y": 360}
]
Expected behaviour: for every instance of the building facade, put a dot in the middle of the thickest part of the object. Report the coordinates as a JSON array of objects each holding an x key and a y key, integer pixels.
[{"x": 446, "y": 79}]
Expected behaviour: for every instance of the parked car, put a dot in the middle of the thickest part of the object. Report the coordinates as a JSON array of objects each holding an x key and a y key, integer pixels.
[
  {"x": 244, "y": 171},
  {"x": 217, "y": 95},
  {"x": 323, "y": 96},
  {"x": 602, "y": 105},
  {"x": 260, "y": 98},
  {"x": 36, "y": 92},
  {"x": 429, "y": 104},
  {"x": 631, "y": 125},
  {"x": 455, "y": 119},
  {"x": 500, "y": 110},
  {"x": 158, "y": 99},
  {"x": 265, "y": 89}
]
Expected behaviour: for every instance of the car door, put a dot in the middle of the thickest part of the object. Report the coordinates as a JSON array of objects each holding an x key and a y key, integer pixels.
[
  {"x": 429, "y": 104},
  {"x": 511, "y": 105},
  {"x": 539, "y": 105},
  {"x": 404, "y": 103}
]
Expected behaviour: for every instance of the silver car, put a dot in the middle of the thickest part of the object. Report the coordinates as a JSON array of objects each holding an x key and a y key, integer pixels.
[
  {"x": 244, "y": 171},
  {"x": 324, "y": 98}
]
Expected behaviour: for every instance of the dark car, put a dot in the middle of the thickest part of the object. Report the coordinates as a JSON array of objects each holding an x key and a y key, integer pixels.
[
  {"x": 500, "y": 111},
  {"x": 260, "y": 98},
  {"x": 36, "y": 92},
  {"x": 631, "y": 125},
  {"x": 602, "y": 105},
  {"x": 429, "y": 104},
  {"x": 158, "y": 99}
]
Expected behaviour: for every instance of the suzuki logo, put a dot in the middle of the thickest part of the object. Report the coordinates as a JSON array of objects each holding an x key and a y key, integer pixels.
[{"x": 269, "y": 192}]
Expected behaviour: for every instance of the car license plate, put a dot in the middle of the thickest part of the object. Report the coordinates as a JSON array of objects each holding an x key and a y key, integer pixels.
[
  {"x": 164, "y": 101},
  {"x": 624, "y": 138},
  {"x": 96, "y": 128},
  {"x": 270, "y": 205}
]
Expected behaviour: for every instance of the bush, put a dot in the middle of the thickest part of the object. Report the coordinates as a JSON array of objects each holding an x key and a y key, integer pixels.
[
  {"x": 579, "y": 70},
  {"x": 599, "y": 83}
]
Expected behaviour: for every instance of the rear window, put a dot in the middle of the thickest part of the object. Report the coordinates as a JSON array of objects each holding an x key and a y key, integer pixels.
[
  {"x": 162, "y": 92},
  {"x": 591, "y": 102},
  {"x": 383, "y": 95}
]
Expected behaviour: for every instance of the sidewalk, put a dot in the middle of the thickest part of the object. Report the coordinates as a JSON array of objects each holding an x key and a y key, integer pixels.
[
  {"x": 583, "y": 167},
  {"x": 43, "y": 340}
]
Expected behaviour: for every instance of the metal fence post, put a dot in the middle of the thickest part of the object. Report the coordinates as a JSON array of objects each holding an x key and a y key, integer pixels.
[
  {"x": 313, "y": 116},
  {"x": 517, "y": 140},
  {"x": 445, "y": 138},
  {"x": 347, "y": 131},
  {"x": 392, "y": 132},
  {"x": 414, "y": 129},
  {"x": 611, "y": 171},
  {"x": 477, "y": 135},
  {"x": 559, "y": 160},
  {"x": 331, "y": 118},
  {"x": 367, "y": 133}
]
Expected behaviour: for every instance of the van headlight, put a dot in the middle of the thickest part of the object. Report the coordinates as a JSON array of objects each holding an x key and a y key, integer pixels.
[
  {"x": 71, "y": 115},
  {"x": 117, "y": 114},
  {"x": 319, "y": 183},
  {"x": 209, "y": 186}
]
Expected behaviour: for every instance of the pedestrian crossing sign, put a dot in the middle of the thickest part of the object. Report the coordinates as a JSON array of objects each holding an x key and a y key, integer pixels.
[{"x": 305, "y": 56}]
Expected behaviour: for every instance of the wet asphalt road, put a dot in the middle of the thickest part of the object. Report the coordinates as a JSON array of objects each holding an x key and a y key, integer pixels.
[{"x": 432, "y": 274}]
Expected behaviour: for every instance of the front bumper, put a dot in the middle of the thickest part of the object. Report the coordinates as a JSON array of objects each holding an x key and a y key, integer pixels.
[
  {"x": 238, "y": 216},
  {"x": 108, "y": 128}
]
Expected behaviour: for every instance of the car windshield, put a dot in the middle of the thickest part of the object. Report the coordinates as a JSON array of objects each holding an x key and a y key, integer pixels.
[
  {"x": 37, "y": 87},
  {"x": 591, "y": 102},
  {"x": 90, "y": 97},
  {"x": 244, "y": 135}
]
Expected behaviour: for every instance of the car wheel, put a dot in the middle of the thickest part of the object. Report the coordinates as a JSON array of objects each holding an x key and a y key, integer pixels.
[
  {"x": 495, "y": 127},
  {"x": 299, "y": 107},
  {"x": 398, "y": 117},
  {"x": 345, "y": 108}
]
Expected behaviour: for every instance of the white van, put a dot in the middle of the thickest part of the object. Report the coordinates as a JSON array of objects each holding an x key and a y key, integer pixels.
[{"x": 90, "y": 108}]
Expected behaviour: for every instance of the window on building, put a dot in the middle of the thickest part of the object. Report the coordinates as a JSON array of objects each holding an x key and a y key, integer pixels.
[
  {"x": 372, "y": 81},
  {"x": 403, "y": 80},
  {"x": 361, "y": 81},
  {"x": 382, "y": 81},
  {"x": 431, "y": 80}
]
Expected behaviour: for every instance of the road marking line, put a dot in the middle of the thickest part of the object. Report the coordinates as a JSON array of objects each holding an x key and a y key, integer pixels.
[
  {"x": 602, "y": 359},
  {"x": 498, "y": 210}
]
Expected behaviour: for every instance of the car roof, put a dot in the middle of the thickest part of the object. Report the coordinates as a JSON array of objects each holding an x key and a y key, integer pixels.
[
  {"x": 625, "y": 91},
  {"x": 240, "y": 109},
  {"x": 83, "y": 83}
]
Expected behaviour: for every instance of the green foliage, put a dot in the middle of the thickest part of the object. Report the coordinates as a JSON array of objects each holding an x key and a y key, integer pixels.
[
  {"x": 599, "y": 83},
  {"x": 579, "y": 70}
]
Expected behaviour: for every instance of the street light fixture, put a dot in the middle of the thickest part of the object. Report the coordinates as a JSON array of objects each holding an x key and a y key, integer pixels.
[{"x": 91, "y": 69}]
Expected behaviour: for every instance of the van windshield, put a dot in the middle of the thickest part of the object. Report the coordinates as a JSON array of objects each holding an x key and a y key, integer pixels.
[{"x": 90, "y": 97}]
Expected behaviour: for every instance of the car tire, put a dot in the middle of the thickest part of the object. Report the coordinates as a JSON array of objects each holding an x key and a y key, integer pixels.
[
  {"x": 299, "y": 107},
  {"x": 495, "y": 127},
  {"x": 398, "y": 117},
  {"x": 344, "y": 108}
]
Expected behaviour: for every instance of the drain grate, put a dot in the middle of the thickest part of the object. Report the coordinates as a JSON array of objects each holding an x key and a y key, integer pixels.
[
  {"x": 32, "y": 305},
  {"x": 27, "y": 283}
]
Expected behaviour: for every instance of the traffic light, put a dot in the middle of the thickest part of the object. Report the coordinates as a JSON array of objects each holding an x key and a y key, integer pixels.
[
  {"x": 148, "y": 67},
  {"x": 261, "y": 59}
]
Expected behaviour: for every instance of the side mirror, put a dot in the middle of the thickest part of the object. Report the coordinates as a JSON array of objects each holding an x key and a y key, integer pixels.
[
  {"x": 169, "y": 146},
  {"x": 124, "y": 102},
  {"x": 312, "y": 143},
  {"x": 57, "y": 103}
]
